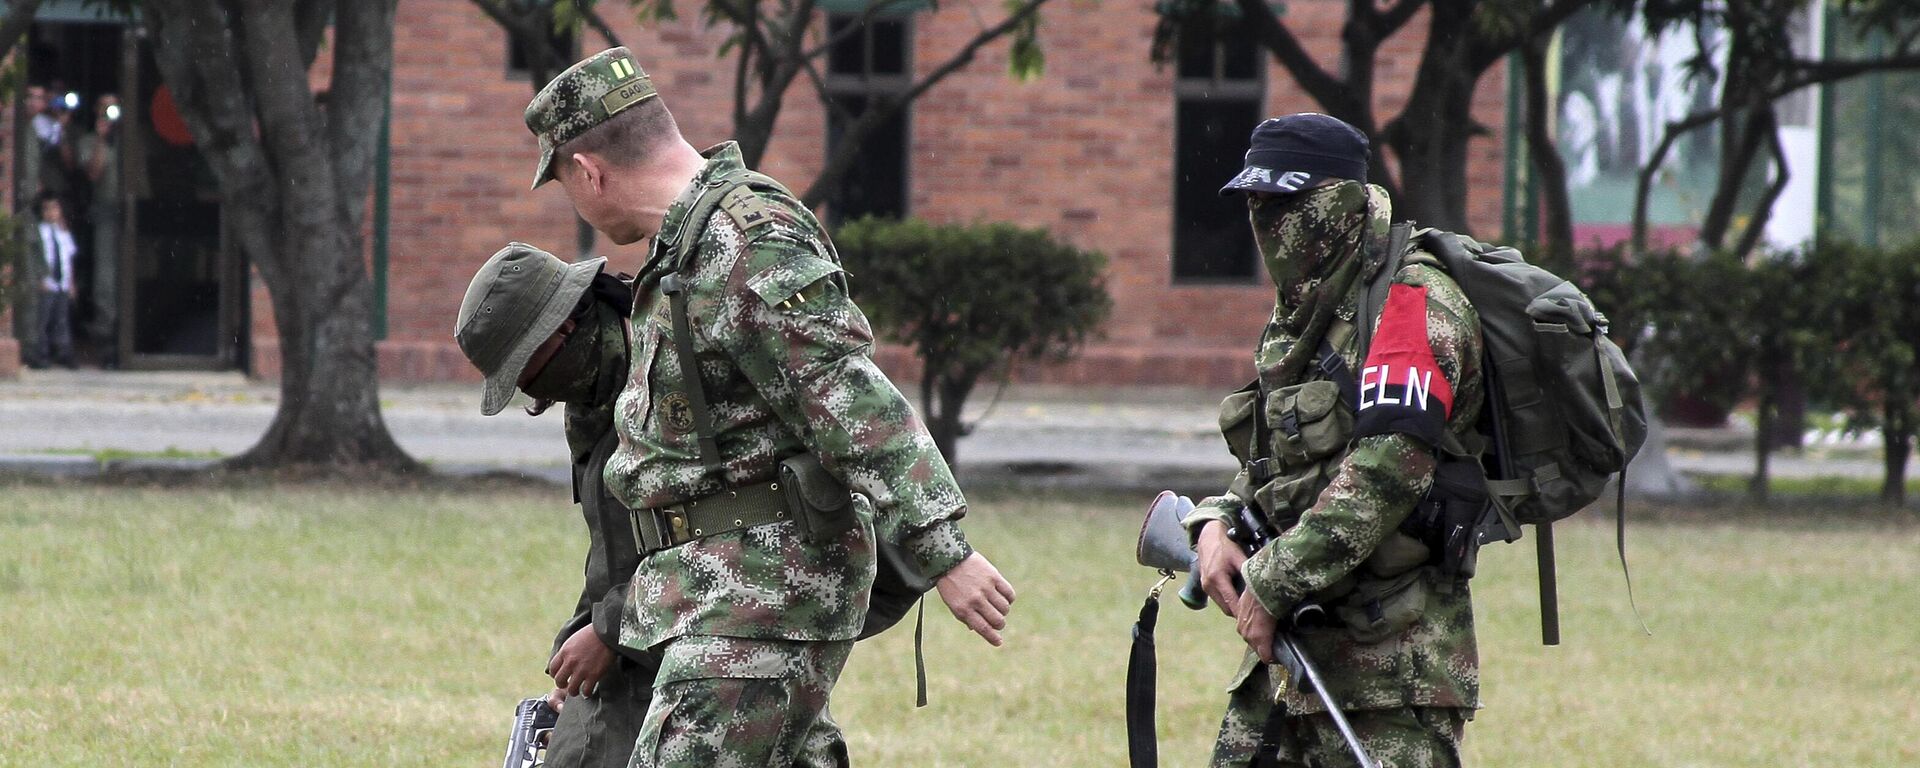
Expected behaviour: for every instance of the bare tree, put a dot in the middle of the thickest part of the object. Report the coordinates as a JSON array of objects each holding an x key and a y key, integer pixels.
[{"x": 294, "y": 171}]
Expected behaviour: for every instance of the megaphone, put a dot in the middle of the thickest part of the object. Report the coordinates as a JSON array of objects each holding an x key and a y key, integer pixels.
[{"x": 1163, "y": 544}]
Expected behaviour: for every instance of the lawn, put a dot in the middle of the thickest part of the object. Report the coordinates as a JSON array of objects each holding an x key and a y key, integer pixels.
[{"x": 333, "y": 625}]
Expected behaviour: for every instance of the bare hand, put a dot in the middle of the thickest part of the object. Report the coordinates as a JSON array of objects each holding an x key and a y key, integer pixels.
[
  {"x": 978, "y": 596},
  {"x": 1256, "y": 625},
  {"x": 557, "y": 699},
  {"x": 580, "y": 663},
  {"x": 1219, "y": 562}
]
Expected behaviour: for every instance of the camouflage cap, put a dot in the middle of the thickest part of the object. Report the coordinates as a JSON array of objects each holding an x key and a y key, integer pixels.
[
  {"x": 517, "y": 300},
  {"x": 587, "y": 94}
]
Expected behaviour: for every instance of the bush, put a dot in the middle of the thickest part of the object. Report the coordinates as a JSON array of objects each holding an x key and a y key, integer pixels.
[{"x": 970, "y": 300}]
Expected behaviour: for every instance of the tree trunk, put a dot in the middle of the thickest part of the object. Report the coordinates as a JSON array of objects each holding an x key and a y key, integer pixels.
[
  {"x": 1898, "y": 433},
  {"x": 1556, "y": 247},
  {"x": 1762, "y": 447},
  {"x": 293, "y": 190},
  {"x": 1431, "y": 135},
  {"x": 943, "y": 422}
]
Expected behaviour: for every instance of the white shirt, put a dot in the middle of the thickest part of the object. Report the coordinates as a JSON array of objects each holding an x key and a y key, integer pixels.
[
  {"x": 47, "y": 128},
  {"x": 56, "y": 242}
]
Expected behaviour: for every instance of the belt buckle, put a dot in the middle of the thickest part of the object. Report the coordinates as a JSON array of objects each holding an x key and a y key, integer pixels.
[{"x": 674, "y": 526}]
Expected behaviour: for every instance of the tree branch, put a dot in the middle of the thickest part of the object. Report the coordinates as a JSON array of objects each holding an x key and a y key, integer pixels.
[
  {"x": 357, "y": 101},
  {"x": 840, "y": 156},
  {"x": 592, "y": 16},
  {"x": 310, "y": 19},
  {"x": 1389, "y": 21},
  {"x": 872, "y": 12},
  {"x": 1763, "y": 209},
  {"x": 1286, "y": 49}
]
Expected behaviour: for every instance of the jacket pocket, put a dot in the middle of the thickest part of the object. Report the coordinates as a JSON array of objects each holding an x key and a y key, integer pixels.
[{"x": 1380, "y": 609}]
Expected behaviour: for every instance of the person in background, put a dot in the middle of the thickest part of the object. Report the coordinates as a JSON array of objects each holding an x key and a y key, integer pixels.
[
  {"x": 52, "y": 243},
  {"x": 100, "y": 160}
]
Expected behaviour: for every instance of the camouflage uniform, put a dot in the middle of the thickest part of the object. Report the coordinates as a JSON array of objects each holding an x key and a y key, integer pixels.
[
  {"x": 784, "y": 362},
  {"x": 753, "y": 624},
  {"x": 1398, "y": 650}
]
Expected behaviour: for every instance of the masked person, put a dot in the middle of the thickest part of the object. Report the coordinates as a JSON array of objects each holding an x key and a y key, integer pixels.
[
  {"x": 557, "y": 332},
  {"x": 1335, "y": 466},
  {"x": 763, "y": 452}
]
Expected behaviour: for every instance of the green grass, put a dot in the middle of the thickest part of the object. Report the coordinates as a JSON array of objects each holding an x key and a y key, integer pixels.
[
  {"x": 105, "y": 455},
  {"x": 330, "y": 625},
  {"x": 1828, "y": 487}
]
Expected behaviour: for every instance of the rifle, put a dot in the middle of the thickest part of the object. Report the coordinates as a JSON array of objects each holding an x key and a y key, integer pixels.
[
  {"x": 533, "y": 723},
  {"x": 1163, "y": 546}
]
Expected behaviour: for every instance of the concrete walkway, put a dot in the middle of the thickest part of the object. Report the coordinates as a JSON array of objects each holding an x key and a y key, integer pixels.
[{"x": 63, "y": 421}]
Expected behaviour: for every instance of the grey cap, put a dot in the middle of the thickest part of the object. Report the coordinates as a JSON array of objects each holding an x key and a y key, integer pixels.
[{"x": 520, "y": 296}]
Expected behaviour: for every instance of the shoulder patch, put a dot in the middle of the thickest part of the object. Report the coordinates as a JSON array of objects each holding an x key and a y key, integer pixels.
[
  {"x": 746, "y": 208},
  {"x": 1402, "y": 388},
  {"x": 786, "y": 283}
]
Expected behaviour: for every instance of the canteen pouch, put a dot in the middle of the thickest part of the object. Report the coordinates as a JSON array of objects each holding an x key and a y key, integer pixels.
[
  {"x": 822, "y": 508},
  {"x": 1308, "y": 422}
]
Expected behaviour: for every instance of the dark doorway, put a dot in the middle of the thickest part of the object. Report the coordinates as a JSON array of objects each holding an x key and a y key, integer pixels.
[
  {"x": 157, "y": 286},
  {"x": 185, "y": 303}
]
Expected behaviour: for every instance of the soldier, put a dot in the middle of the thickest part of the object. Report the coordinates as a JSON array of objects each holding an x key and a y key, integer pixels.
[
  {"x": 1337, "y": 463},
  {"x": 558, "y": 332},
  {"x": 753, "y": 410}
]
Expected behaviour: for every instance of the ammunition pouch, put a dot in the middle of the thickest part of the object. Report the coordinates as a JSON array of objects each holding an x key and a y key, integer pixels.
[
  {"x": 1447, "y": 519},
  {"x": 822, "y": 507}
]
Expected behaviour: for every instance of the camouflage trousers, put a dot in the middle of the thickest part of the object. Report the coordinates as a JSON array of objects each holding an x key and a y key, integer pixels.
[
  {"x": 598, "y": 731},
  {"x": 1404, "y": 737},
  {"x": 723, "y": 702}
]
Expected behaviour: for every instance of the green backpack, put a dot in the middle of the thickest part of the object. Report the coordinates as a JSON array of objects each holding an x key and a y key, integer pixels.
[{"x": 1563, "y": 413}]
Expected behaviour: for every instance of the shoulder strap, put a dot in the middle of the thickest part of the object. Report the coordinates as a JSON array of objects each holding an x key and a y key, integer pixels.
[
  {"x": 732, "y": 194},
  {"x": 720, "y": 193},
  {"x": 1374, "y": 297}
]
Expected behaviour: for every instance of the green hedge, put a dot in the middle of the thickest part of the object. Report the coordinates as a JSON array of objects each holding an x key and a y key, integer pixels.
[
  {"x": 1835, "y": 321},
  {"x": 970, "y": 300}
]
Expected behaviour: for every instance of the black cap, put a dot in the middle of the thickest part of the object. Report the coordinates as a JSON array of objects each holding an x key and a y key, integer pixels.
[{"x": 1296, "y": 152}]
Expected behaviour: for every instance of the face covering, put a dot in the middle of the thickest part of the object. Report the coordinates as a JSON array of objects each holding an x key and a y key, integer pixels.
[
  {"x": 578, "y": 373},
  {"x": 1305, "y": 237}
]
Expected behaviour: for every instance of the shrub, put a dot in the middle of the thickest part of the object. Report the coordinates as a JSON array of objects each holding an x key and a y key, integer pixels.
[{"x": 970, "y": 300}]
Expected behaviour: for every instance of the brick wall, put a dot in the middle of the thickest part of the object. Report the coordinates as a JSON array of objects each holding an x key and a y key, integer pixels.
[{"x": 1085, "y": 151}]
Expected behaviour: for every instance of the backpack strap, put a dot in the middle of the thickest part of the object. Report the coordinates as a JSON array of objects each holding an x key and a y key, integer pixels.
[
  {"x": 732, "y": 194},
  {"x": 1374, "y": 297}
]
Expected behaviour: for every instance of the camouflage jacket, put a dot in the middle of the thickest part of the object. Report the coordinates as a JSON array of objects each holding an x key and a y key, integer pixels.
[
  {"x": 784, "y": 357},
  {"x": 1400, "y": 634}
]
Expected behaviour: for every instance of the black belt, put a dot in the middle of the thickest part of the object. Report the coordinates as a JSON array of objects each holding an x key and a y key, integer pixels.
[{"x": 670, "y": 526}]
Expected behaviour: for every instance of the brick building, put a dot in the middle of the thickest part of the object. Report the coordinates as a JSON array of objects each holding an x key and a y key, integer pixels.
[{"x": 1105, "y": 149}]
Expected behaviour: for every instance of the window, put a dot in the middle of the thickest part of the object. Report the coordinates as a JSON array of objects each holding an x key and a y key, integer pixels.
[
  {"x": 868, "y": 61},
  {"x": 1219, "y": 91}
]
